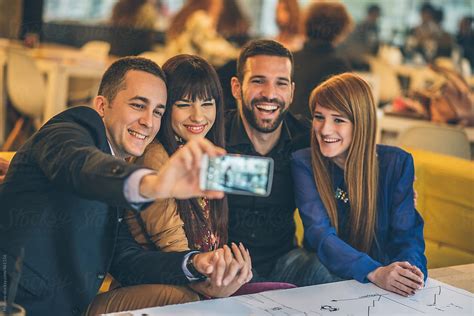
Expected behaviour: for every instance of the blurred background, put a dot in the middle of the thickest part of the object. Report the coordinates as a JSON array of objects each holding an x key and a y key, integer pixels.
[{"x": 53, "y": 52}]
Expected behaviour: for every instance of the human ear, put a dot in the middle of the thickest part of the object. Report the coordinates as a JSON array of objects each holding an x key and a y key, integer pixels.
[
  {"x": 100, "y": 102},
  {"x": 236, "y": 88}
]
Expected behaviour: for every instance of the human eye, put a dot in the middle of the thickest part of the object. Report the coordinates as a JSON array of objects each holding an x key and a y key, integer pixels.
[
  {"x": 181, "y": 104},
  {"x": 318, "y": 117},
  {"x": 339, "y": 120},
  {"x": 138, "y": 106},
  {"x": 283, "y": 83},
  {"x": 158, "y": 112},
  {"x": 257, "y": 80},
  {"x": 208, "y": 103}
]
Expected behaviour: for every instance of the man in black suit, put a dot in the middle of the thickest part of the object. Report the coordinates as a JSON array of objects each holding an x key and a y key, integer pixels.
[{"x": 63, "y": 194}]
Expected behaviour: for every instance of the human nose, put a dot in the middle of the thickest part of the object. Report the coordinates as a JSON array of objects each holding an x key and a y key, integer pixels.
[
  {"x": 197, "y": 114},
  {"x": 325, "y": 127},
  {"x": 146, "y": 119},
  {"x": 269, "y": 91}
]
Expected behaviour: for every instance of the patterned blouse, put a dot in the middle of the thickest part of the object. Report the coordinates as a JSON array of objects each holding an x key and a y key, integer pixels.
[{"x": 207, "y": 240}]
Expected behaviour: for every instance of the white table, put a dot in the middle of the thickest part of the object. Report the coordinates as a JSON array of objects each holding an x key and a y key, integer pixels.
[
  {"x": 59, "y": 64},
  {"x": 341, "y": 298}
]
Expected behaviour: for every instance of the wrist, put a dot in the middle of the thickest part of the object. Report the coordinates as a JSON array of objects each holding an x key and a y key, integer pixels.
[
  {"x": 372, "y": 274},
  {"x": 190, "y": 265},
  {"x": 149, "y": 186}
]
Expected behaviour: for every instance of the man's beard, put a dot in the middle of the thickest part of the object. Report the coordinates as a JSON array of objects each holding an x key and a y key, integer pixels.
[{"x": 250, "y": 115}]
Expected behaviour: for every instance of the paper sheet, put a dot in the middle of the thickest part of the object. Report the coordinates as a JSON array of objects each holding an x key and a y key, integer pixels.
[{"x": 342, "y": 298}]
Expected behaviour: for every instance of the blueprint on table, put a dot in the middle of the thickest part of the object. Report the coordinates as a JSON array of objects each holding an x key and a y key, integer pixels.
[{"x": 341, "y": 298}]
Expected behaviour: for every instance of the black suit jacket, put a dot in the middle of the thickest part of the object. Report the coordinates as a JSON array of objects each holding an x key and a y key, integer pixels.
[{"x": 61, "y": 201}]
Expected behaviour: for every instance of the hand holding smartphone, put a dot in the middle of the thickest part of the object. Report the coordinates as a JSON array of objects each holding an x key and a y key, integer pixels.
[{"x": 237, "y": 174}]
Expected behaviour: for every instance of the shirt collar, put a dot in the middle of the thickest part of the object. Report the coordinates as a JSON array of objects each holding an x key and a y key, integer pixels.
[{"x": 111, "y": 149}]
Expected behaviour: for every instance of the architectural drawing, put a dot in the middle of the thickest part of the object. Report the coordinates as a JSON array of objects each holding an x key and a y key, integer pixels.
[{"x": 347, "y": 298}]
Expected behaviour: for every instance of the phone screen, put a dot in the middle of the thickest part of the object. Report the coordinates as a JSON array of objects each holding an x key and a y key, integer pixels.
[{"x": 237, "y": 174}]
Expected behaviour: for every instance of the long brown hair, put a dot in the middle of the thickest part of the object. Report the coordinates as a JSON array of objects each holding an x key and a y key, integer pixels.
[
  {"x": 351, "y": 96},
  {"x": 192, "y": 77}
]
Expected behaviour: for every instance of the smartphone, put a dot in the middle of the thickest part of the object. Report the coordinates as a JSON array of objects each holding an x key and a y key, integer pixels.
[{"x": 237, "y": 174}]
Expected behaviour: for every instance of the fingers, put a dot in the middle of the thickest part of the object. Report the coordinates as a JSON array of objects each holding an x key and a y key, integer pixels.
[
  {"x": 412, "y": 273},
  {"x": 233, "y": 267},
  {"x": 209, "y": 148},
  {"x": 250, "y": 264},
  {"x": 400, "y": 288},
  {"x": 248, "y": 261},
  {"x": 219, "y": 268},
  {"x": 402, "y": 280},
  {"x": 191, "y": 154},
  {"x": 239, "y": 254},
  {"x": 406, "y": 279},
  {"x": 418, "y": 272}
]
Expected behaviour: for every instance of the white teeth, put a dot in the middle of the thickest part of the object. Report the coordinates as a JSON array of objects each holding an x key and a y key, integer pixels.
[
  {"x": 195, "y": 128},
  {"x": 137, "y": 135},
  {"x": 267, "y": 107},
  {"x": 330, "y": 140}
]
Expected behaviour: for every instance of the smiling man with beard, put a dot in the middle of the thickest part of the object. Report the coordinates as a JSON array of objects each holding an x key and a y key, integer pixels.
[{"x": 262, "y": 126}]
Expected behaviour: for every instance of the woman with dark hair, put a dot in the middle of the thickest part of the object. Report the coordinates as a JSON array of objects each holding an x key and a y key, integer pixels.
[
  {"x": 194, "y": 109},
  {"x": 356, "y": 197}
]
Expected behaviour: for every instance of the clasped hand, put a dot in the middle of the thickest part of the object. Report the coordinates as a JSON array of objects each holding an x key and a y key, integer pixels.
[
  {"x": 398, "y": 277},
  {"x": 227, "y": 270}
]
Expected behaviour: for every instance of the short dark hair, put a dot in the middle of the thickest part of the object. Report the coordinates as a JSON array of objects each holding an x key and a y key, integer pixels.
[
  {"x": 113, "y": 79},
  {"x": 261, "y": 47},
  {"x": 327, "y": 21},
  {"x": 373, "y": 9},
  {"x": 427, "y": 7}
]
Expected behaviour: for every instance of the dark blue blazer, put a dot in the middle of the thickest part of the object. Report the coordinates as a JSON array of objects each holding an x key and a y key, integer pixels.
[
  {"x": 399, "y": 227},
  {"x": 62, "y": 200}
]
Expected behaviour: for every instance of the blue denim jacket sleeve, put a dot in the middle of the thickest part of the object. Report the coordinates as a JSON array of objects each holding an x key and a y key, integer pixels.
[{"x": 404, "y": 239}]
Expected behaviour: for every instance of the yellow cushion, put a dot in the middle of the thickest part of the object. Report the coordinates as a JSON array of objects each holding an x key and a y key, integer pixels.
[{"x": 445, "y": 187}]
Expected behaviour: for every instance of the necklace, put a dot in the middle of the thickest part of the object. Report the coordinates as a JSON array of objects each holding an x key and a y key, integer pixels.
[{"x": 341, "y": 195}]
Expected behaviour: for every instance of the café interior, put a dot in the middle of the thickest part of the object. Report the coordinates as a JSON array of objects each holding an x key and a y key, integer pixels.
[{"x": 417, "y": 56}]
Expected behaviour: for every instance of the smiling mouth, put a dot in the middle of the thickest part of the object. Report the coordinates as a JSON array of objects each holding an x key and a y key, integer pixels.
[
  {"x": 138, "y": 135},
  {"x": 196, "y": 129},
  {"x": 330, "y": 140},
  {"x": 267, "y": 108}
]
